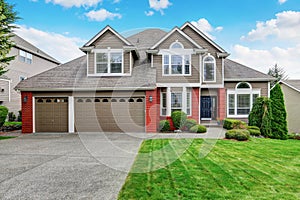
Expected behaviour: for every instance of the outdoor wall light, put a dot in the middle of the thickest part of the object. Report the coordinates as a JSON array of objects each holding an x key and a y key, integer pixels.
[
  {"x": 25, "y": 99},
  {"x": 150, "y": 99}
]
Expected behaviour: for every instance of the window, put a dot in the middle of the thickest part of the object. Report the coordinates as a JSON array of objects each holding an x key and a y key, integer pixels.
[
  {"x": 109, "y": 62},
  {"x": 176, "y": 64},
  {"x": 25, "y": 57},
  {"x": 209, "y": 68},
  {"x": 241, "y": 99},
  {"x": 176, "y": 102},
  {"x": 188, "y": 103},
  {"x": 163, "y": 103}
]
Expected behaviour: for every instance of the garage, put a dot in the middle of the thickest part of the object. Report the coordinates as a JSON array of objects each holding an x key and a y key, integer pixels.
[
  {"x": 110, "y": 114},
  {"x": 51, "y": 114}
]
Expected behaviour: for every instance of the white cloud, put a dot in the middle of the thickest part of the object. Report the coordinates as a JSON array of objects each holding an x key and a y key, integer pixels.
[
  {"x": 282, "y": 1},
  {"x": 102, "y": 15},
  {"x": 58, "y": 46},
  {"x": 149, "y": 13},
  {"x": 204, "y": 26},
  {"x": 159, "y": 5},
  {"x": 286, "y": 26},
  {"x": 262, "y": 60},
  {"x": 76, "y": 3}
]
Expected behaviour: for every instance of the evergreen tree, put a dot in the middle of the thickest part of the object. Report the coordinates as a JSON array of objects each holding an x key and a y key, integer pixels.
[
  {"x": 278, "y": 73},
  {"x": 279, "y": 123},
  {"x": 7, "y": 17}
]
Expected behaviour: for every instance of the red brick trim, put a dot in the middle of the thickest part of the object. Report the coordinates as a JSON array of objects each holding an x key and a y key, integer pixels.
[
  {"x": 152, "y": 111},
  {"x": 222, "y": 103},
  {"x": 27, "y": 114}
]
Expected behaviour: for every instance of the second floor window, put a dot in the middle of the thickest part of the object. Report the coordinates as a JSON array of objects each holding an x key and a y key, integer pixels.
[
  {"x": 25, "y": 57},
  {"x": 176, "y": 64},
  {"x": 209, "y": 69},
  {"x": 109, "y": 62}
]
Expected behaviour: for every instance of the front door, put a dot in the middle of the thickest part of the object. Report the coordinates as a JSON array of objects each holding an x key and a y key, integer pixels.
[{"x": 208, "y": 108}]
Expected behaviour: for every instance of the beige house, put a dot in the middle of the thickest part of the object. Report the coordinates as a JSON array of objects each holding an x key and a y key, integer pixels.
[
  {"x": 291, "y": 92},
  {"x": 28, "y": 62}
]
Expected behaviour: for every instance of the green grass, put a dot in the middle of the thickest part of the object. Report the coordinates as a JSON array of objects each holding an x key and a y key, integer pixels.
[
  {"x": 258, "y": 169},
  {"x": 6, "y": 137},
  {"x": 12, "y": 123}
]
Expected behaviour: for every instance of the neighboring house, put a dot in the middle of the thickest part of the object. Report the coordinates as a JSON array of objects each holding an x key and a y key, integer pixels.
[
  {"x": 130, "y": 84},
  {"x": 291, "y": 92},
  {"x": 28, "y": 62}
]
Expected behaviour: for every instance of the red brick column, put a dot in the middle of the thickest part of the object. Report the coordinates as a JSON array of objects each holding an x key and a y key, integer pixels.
[
  {"x": 195, "y": 104},
  {"x": 27, "y": 115},
  {"x": 222, "y": 103},
  {"x": 151, "y": 111}
]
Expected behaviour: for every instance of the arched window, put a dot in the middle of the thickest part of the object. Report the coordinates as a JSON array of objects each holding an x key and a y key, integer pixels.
[
  {"x": 241, "y": 99},
  {"x": 131, "y": 100},
  {"x": 97, "y": 100},
  {"x": 139, "y": 100},
  {"x": 122, "y": 100},
  {"x": 40, "y": 101},
  {"x": 88, "y": 100},
  {"x": 114, "y": 100},
  {"x": 105, "y": 100},
  {"x": 79, "y": 100},
  {"x": 209, "y": 69},
  {"x": 176, "y": 45}
]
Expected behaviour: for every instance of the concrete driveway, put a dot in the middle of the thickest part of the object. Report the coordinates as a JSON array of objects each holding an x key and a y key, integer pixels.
[{"x": 84, "y": 166}]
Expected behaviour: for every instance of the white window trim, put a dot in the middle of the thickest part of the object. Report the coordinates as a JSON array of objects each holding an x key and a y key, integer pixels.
[
  {"x": 215, "y": 74},
  {"x": 27, "y": 56},
  {"x": 108, "y": 51},
  {"x": 170, "y": 65},
  {"x": 236, "y": 92}
]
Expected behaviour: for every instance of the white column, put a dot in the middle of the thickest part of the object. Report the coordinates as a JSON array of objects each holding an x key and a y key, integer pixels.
[
  {"x": 71, "y": 114},
  {"x": 184, "y": 99},
  {"x": 168, "y": 101}
]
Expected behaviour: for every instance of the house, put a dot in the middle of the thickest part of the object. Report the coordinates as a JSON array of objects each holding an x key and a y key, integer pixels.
[
  {"x": 130, "y": 84},
  {"x": 28, "y": 62},
  {"x": 291, "y": 93}
]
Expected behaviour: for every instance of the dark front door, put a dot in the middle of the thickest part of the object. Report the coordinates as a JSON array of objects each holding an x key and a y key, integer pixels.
[{"x": 208, "y": 107}]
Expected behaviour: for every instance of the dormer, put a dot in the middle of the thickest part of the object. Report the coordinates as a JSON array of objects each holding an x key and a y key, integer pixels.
[{"x": 109, "y": 54}]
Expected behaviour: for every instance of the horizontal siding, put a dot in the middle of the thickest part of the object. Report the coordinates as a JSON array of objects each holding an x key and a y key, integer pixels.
[
  {"x": 127, "y": 63},
  {"x": 108, "y": 39},
  {"x": 4, "y": 95},
  {"x": 172, "y": 38}
]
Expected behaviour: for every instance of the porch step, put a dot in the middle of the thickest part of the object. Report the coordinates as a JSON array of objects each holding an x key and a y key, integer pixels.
[{"x": 210, "y": 123}]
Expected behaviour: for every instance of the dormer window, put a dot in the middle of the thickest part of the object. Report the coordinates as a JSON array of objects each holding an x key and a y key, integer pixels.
[
  {"x": 176, "y": 61},
  {"x": 109, "y": 61},
  {"x": 209, "y": 69}
]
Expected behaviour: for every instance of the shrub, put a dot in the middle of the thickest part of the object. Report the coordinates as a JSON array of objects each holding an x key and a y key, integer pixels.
[
  {"x": 278, "y": 123},
  {"x": 178, "y": 118},
  {"x": 254, "y": 130},
  {"x": 238, "y": 134},
  {"x": 233, "y": 124},
  {"x": 164, "y": 125},
  {"x": 189, "y": 123},
  {"x": 253, "y": 127},
  {"x": 198, "y": 129},
  {"x": 3, "y": 115},
  {"x": 11, "y": 126},
  {"x": 11, "y": 117},
  {"x": 19, "y": 119}
]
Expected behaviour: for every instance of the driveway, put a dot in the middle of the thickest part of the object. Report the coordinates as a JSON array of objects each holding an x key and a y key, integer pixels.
[{"x": 84, "y": 166}]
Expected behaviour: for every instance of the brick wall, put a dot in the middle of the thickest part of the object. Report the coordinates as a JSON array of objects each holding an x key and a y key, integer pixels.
[
  {"x": 195, "y": 104},
  {"x": 222, "y": 103},
  {"x": 27, "y": 123},
  {"x": 151, "y": 111}
]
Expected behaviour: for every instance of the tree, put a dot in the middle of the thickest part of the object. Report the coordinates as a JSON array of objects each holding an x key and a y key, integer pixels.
[
  {"x": 279, "y": 123},
  {"x": 261, "y": 116},
  {"x": 278, "y": 73},
  {"x": 7, "y": 17}
]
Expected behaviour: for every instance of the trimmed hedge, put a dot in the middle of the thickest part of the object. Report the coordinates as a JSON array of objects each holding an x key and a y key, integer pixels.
[
  {"x": 234, "y": 124},
  {"x": 254, "y": 130},
  {"x": 198, "y": 129},
  {"x": 3, "y": 115},
  {"x": 238, "y": 134},
  {"x": 178, "y": 118},
  {"x": 189, "y": 123},
  {"x": 164, "y": 125},
  {"x": 11, "y": 126}
]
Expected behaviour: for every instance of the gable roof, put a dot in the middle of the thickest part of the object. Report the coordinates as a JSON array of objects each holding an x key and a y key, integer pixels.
[
  {"x": 107, "y": 28},
  {"x": 72, "y": 76},
  {"x": 294, "y": 84},
  {"x": 234, "y": 71},
  {"x": 170, "y": 33},
  {"x": 203, "y": 35},
  {"x": 22, "y": 44}
]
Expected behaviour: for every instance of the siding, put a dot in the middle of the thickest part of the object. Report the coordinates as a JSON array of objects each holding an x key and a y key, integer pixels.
[
  {"x": 291, "y": 98},
  {"x": 255, "y": 85},
  {"x": 172, "y": 38},
  {"x": 108, "y": 39},
  {"x": 4, "y": 90}
]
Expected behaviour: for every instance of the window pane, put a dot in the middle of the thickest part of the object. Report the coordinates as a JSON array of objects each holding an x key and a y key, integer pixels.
[
  {"x": 231, "y": 106},
  {"x": 22, "y": 53},
  {"x": 166, "y": 69},
  {"x": 116, "y": 68},
  {"x": 166, "y": 59},
  {"x": 176, "y": 100},
  {"x": 243, "y": 85},
  {"x": 176, "y": 62},
  {"x": 187, "y": 64},
  {"x": 176, "y": 69},
  {"x": 188, "y": 103},
  {"x": 209, "y": 72},
  {"x": 116, "y": 57},
  {"x": 209, "y": 59},
  {"x": 164, "y": 100},
  {"x": 243, "y": 104},
  {"x": 101, "y": 57},
  {"x": 176, "y": 46},
  {"x": 101, "y": 68}
]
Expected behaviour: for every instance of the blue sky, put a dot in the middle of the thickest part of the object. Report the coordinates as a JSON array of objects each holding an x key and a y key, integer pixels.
[{"x": 257, "y": 33}]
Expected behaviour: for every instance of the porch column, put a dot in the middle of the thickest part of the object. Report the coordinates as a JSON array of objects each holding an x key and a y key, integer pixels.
[
  {"x": 184, "y": 99},
  {"x": 169, "y": 101},
  {"x": 71, "y": 115}
]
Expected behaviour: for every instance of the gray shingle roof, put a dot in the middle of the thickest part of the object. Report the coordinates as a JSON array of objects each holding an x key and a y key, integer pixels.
[
  {"x": 24, "y": 45},
  {"x": 237, "y": 72},
  {"x": 73, "y": 76},
  {"x": 146, "y": 38},
  {"x": 294, "y": 83}
]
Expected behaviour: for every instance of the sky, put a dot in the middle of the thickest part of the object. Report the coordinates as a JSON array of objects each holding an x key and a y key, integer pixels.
[{"x": 256, "y": 33}]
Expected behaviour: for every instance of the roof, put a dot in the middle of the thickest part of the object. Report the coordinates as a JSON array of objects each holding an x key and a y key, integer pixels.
[
  {"x": 72, "y": 76},
  {"x": 26, "y": 46},
  {"x": 294, "y": 84},
  {"x": 234, "y": 71}
]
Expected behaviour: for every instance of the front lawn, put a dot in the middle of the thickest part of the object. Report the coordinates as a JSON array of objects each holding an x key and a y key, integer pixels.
[
  {"x": 6, "y": 137},
  {"x": 258, "y": 169}
]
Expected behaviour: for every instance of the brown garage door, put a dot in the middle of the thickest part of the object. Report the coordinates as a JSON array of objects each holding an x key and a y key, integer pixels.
[
  {"x": 51, "y": 114},
  {"x": 110, "y": 114}
]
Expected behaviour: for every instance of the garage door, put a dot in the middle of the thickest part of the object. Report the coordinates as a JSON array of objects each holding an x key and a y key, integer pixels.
[
  {"x": 51, "y": 114},
  {"x": 109, "y": 114}
]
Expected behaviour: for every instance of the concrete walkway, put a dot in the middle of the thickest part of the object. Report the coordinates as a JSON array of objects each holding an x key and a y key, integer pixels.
[{"x": 72, "y": 166}]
